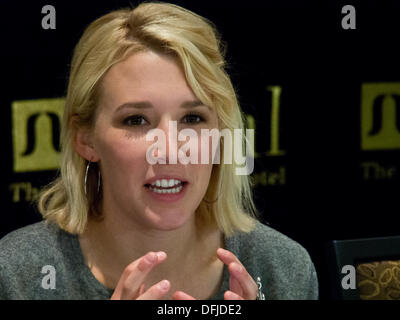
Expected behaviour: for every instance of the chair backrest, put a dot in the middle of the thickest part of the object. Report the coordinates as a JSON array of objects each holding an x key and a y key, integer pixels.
[{"x": 364, "y": 269}]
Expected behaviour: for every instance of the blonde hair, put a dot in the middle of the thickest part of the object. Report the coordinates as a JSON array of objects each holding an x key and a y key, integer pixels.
[{"x": 164, "y": 28}]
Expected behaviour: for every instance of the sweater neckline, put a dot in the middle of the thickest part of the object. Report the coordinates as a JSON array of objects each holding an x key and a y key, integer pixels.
[{"x": 107, "y": 292}]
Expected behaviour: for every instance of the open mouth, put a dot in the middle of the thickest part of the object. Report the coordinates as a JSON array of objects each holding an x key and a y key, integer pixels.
[{"x": 170, "y": 188}]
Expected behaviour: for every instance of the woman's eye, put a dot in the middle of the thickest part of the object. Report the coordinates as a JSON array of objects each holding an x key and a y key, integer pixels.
[
  {"x": 135, "y": 121},
  {"x": 193, "y": 118}
]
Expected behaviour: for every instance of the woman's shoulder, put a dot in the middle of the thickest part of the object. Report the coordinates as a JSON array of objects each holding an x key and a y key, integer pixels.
[
  {"x": 282, "y": 264},
  {"x": 30, "y": 258},
  {"x": 267, "y": 241},
  {"x": 29, "y": 242}
]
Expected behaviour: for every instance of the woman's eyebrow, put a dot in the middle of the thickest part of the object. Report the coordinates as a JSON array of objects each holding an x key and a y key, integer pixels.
[
  {"x": 148, "y": 104},
  {"x": 136, "y": 105},
  {"x": 193, "y": 104}
]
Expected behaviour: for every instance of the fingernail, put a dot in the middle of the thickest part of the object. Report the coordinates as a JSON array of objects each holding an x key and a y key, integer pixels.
[
  {"x": 161, "y": 255},
  {"x": 151, "y": 257},
  {"x": 164, "y": 284}
]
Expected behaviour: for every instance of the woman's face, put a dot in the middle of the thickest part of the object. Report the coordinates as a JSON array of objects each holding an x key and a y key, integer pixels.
[{"x": 145, "y": 92}]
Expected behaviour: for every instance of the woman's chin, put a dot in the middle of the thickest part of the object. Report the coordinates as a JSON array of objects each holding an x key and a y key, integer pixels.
[{"x": 169, "y": 221}]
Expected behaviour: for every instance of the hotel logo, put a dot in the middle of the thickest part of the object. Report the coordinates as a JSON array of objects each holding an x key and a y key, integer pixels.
[
  {"x": 36, "y": 133},
  {"x": 380, "y": 116}
]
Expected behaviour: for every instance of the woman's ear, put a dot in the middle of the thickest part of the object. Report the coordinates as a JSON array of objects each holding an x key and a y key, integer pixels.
[{"x": 84, "y": 145}]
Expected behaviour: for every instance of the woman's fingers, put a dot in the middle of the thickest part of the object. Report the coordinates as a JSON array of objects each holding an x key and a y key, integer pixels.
[
  {"x": 156, "y": 292},
  {"x": 142, "y": 289},
  {"x": 180, "y": 295},
  {"x": 130, "y": 284},
  {"x": 235, "y": 286},
  {"x": 246, "y": 282},
  {"x": 229, "y": 295},
  {"x": 227, "y": 257},
  {"x": 241, "y": 283}
]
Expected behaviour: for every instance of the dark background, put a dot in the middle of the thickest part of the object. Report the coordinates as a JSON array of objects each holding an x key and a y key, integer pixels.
[{"x": 298, "y": 45}]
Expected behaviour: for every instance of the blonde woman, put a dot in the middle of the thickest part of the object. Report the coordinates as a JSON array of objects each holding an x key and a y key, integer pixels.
[{"x": 118, "y": 227}]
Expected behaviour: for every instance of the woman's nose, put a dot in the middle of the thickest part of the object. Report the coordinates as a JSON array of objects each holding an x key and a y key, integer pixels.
[{"x": 170, "y": 144}]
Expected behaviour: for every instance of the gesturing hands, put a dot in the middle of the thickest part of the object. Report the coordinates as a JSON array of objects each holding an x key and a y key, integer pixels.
[
  {"x": 241, "y": 284},
  {"x": 130, "y": 285}
]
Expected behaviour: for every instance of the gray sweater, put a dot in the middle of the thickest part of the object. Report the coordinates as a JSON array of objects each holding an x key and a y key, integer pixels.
[{"x": 41, "y": 261}]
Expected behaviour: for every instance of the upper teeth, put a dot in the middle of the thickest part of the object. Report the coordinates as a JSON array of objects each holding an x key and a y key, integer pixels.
[{"x": 164, "y": 183}]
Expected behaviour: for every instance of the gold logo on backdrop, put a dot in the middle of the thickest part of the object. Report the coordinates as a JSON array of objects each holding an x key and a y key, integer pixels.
[
  {"x": 274, "y": 122},
  {"x": 36, "y": 132},
  {"x": 276, "y": 97},
  {"x": 276, "y": 176},
  {"x": 380, "y": 116}
]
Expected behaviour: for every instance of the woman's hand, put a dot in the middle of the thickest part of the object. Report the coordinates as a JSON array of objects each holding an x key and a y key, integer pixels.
[
  {"x": 131, "y": 287},
  {"x": 241, "y": 284}
]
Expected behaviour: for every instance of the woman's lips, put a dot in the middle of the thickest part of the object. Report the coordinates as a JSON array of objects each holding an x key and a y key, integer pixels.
[
  {"x": 176, "y": 192},
  {"x": 164, "y": 179}
]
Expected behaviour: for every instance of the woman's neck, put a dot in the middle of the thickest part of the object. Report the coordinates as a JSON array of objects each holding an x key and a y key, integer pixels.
[{"x": 109, "y": 246}]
